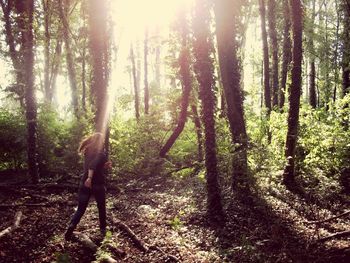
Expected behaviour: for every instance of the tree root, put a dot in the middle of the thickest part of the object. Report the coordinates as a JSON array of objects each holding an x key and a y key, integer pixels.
[
  {"x": 15, "y": 225},
  {"x": 335, "y": 235},
  {"x": 329, "y": 219}
]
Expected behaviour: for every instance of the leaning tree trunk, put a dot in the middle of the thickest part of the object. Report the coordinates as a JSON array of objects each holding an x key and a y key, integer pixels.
[
  {"x": 64, "y": 12},
  {"x": 146, "y": 90},
  {"x": 295, "y": 92},
  {"x": 186, "y": 82},
  {"x": 267, "y": 90},
  {"x": 198, "y": 126},
  {"x": 287, "y": 46},
  {"x": 274, "y": 48},
  {"x": 135, "y": 82},
  {"x": 204, "y": 69},
  {"x": 227, "y": 16},
  {"x": 99, "y": 49},
  {"x": 26, "y": 9}
]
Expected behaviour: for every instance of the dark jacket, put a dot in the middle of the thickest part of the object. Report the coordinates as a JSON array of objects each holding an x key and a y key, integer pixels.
[{"x": 95, "y": 162}]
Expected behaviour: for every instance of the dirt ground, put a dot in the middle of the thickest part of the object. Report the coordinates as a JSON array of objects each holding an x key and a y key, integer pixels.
[{"x": 169, "y": 214}]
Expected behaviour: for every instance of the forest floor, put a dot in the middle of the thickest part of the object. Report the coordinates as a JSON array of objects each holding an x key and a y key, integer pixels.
[{"x": 168, "y": 215}]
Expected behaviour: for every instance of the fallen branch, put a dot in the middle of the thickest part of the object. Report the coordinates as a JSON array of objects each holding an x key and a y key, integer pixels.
[
  {"x": 37, "y": 204},
  {"x": 328, "y": 219},
  {"x": 335, "y": 235},
  {"x": 139, "y": 243},
  {"x": 15, "y": 225}
]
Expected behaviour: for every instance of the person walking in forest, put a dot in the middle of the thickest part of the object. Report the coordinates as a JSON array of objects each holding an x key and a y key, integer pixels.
[{"x": 92, "y": 181}]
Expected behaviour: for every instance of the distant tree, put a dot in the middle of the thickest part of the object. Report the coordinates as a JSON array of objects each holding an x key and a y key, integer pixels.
[
  {"x": 312, "y": 77},
  {"x": 294, "y": 96},
  {"x": 204, "y": 69},
  {"x": 274, "y": 48},
  {"x": 64, "y": 6},
  {"x": 99, "y": 50},
  {"x": 287, "y": 56},
  {"x": 266, "y": 67},
  {"x": 227, "y": 14},
  {"x": 146, "y": 90},
  {"x": 135, "y": 82}
]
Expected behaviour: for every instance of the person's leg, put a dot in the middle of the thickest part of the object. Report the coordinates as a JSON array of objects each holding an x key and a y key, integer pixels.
[
  {"x": 83, "y": 201},
  {"x": 100, "y": 196}
]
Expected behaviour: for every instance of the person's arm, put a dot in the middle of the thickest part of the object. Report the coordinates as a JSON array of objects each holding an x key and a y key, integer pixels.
[{"x": 89, "y": 178}]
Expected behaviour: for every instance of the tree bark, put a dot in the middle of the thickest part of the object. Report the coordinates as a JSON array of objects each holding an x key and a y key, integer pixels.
[
  {"x": 198, "y": 126},
  {"x": 287, "y": 46},
  {"x": 295, "y": 92},
  {"x": 204, "y": 69},
  {"x": 227, "y": 17},
  {"x": 274, "y": 48},
  {"x": 267, "y": 89}
]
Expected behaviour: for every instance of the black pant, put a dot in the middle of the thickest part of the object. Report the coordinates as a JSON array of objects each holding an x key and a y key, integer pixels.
[{"x": 84, "y": 195}]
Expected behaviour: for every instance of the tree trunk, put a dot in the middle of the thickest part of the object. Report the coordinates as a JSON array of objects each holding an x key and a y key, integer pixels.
[
  {"x": 295, "y": 92},
  {"x": 287, "y": 46},
  {"x": 136, "y": 87},
  {"x": 99, "y": 50},
  {"x": 267, "y": 89},
  {"x": 26, "y": 9},
  {"x": 146, "y": 91},
  {"x": 312, "y": 85},
  {"x": 186, "y": 81},
  {"x": 346, "y": 51},
  {"x": 227, "y": 16},
  {"x": 274, "y": 48},
  {"x": 63, "y": 10},
  {"x": 204, "y": 69}
]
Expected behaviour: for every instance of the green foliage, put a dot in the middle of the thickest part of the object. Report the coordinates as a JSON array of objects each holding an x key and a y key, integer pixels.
[
  {"x": 58, "y": 141},
  {"x": 63, "y": 258},
  {"x": 12, "y": 140}
]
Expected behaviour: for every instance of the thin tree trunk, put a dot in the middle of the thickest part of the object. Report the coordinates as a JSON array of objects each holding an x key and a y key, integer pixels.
[
  {"x": 287, "y": 46},
  {"x": 186, "y": 81},
  {"x": 274, "y": 48},
  {"x": 47, "y": 40},
  {"x": 204, "y": 69},
  {"x": 136, "y": 87},
  {"x": 227, "y": 16},
  {"x": 63, "y": 10},
  {"x": 267, "y": 89},
  {"x": 146, "y": 90},
  {"x": 158, "y": 58},
  {"x": 312, "y": 87},
  {"x": 295, "y": 92},
  {"x": 198, "y": 126}
]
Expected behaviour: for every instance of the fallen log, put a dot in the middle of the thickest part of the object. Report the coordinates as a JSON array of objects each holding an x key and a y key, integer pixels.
[
  {"x": 15, "y": 225},
  {"x": 335, "y": 235},
  {"x": 328, "y": 219},
  {"x": 88, "y": 243}
]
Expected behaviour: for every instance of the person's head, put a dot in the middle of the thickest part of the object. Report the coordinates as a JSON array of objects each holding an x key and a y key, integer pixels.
[{"x": 92, "y": 143}]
